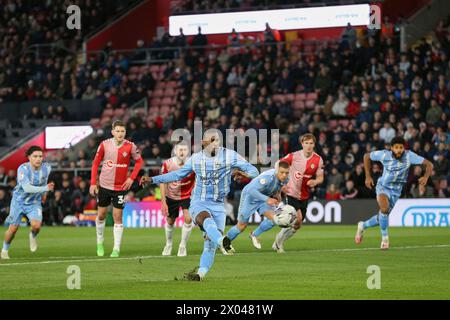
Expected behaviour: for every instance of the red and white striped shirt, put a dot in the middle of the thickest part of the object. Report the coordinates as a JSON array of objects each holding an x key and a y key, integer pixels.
[
  {"x": 301, "y": 171},
  {"x": 178, "y": 190},
  {"x": 116, "y": 161}
]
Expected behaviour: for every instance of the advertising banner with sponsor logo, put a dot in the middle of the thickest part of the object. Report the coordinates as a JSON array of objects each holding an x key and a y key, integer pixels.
[
  {"x": 420, "y": 213},
  {"x": 149, "y": 215}
]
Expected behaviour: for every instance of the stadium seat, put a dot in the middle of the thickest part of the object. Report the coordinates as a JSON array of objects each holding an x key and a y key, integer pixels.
[
  {"x": 167, "y": 101},
  {"x": 155, "y": 102},
  {"x": 169, "y": 92},
  {"x": 154, "y": 68},
  {"x": 344, "y": 122},
  {"x": 290, "y": 97},
  {"x": 119, "y": 112},
  {"x": 300, "y": 96},
  {"x": 310, "y": 104},
  {"x": 158, "y": 93},
  {"x": 108, "y": 113},
  {"x": 299, "y": 105},
  {"x": 277, "y": 97},
  {"x": 332, "y": 124},
  {"x": 311, "y": 96}
]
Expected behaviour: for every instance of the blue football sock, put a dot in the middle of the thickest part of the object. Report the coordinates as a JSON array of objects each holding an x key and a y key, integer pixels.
[
  {"x": 210, "y": 227},
  {"x": 6, "y": 245},
  {"x": 372, "y": 222},
  {"x": 207, "y": 257},
  {"x": 265, "y": 225},
  {"x": 384, "y": 224},
  {"x": 233, "y": 233}
]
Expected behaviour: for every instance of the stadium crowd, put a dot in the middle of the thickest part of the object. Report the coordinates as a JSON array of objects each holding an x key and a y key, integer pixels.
[{"x": 355, "y": 96}]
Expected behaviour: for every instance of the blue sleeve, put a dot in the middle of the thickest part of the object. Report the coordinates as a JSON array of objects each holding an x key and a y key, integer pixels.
[
  {"x": 376, "y": 155},
  {"x": 241, "y": 164},
  {"x": 414, "y": 158},
  {"x": 24, "y": 181},
  {"x": 28, "y": 188},
  {"x": 176, "y": 175},
  {"x": 255, "y": 187}
]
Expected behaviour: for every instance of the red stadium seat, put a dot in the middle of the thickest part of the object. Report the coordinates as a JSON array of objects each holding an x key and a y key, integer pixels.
[
  {"x": 108, "y": 113},
  {"x": 154, "y": 68},
  {"x": 143, "y": 69},
  {"x": 299, "y": 105},
  {"x": 289, "y": 97},
  {"x": 167, "y": 101},
  {"x": 158, "y": 93},
  {"x": 277, "y": 97},
  {"x": 300, "y": 96},
  {"x": 119, "y": 112},
  {"x": 344, "y": 122},
  {"x": 155, "y": 102},
  {"x": 169, "y": 92},
  {"x": 311, "y": 96},
  {"x": 310, "y": 104}
]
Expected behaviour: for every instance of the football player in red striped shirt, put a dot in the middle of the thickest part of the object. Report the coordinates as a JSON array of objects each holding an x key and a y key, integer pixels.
[
  {"x": 116, "y": 154},
  {"x": 305, "y": 172},
  {"x": 175, "y": 195}
]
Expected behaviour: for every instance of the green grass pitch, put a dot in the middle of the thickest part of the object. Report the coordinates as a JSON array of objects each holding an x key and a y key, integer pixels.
[{"x": 322, "y": 262}]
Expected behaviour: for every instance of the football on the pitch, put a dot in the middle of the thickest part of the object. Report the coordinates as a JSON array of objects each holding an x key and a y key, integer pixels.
[{"x": 285, "y": 216}]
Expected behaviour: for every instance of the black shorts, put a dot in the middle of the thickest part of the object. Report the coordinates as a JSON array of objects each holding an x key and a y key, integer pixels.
[
  {"x": 106, "y": 196},
  {"x": 301, "y": 205},
  {"x": 174, "y": 206}
]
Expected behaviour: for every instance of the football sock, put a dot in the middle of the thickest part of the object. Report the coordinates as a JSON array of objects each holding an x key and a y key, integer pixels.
[
  {"x": 118, "y": 231},
  {"x": 372, "y": 222},
  {"x": 286, "y": 233},
  {"x": 210, "y": 227},
  {"x": 384, "y": 223},
  {"x": 185, "y": 233},
  {"x": 34, "y": 233},
  {"x": 100, "y": 227},
  {"x": 169, "y": 234},
  {"x": 265, "y": 225},
  {"x": 207, "y": 257},
  {"x": 6, "y": 246},
  {"x": 233, "y": 233}
]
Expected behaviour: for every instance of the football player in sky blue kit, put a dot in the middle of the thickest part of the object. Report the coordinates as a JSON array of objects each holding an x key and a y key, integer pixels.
[
  {"x": 261, "y": 195},
  {"x": 32, "y": 179},
  {"x": 213, "y": 167},
  {"x": 396, "y": 163}
]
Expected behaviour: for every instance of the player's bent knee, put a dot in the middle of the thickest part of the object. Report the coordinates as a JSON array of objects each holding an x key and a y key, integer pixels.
[{"x": 201, "y": 217}]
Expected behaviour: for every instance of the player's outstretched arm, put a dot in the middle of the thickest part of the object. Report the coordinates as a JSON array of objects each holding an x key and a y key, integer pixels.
[
  {"x": 176, "y": 175},
  {"x": 367, "y": 170},
  {"x": 428, "y": 170},
  {"x": 242, "y": 165}
]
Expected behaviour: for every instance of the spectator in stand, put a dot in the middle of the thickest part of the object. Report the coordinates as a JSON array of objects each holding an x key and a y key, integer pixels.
[
  {"x": 5, "y": 200},
  {"x": 35, "y": 114},
  {"x": 387, "y": 133},
  {"x": 420, "y": 191},
  {"x": 332, "y": 193},
  {"x": 339, "y": 108},
  {"x": 350, "y": 192}
]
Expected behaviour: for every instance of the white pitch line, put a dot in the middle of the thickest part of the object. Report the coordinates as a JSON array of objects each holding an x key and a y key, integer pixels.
[{"x": 197, "y": 255}]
